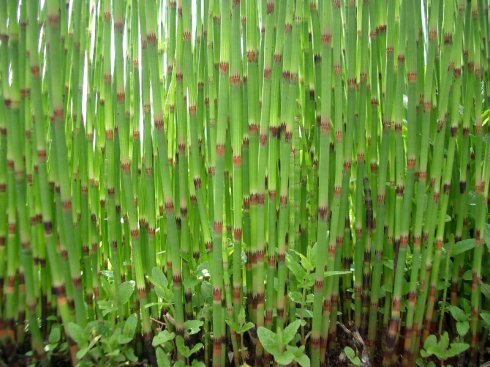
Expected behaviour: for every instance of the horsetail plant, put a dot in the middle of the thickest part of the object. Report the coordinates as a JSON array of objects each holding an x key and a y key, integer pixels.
[{"x": 238, "y": 182}]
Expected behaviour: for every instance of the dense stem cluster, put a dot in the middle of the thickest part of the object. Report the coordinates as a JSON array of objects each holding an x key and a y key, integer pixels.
[{"x": 257, "y": 166}]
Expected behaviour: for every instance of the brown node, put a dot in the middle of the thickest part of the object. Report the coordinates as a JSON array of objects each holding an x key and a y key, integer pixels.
[
  {"x": 237, "y": 160},
  {"x": 326, "y": 38},
  {"x": 151, "y": 37},
  {"x": 169, "y": 206},
  {"x": 176, "y": 279},
  {"x": 66, "y": 204},
  {"x": 158, "y": 123},
  {"x": 217, "y": 294},
  {"x": 237, "y": 234},
  {"x": 351, "y": 82},
  {"x": 325, "y": 125},
  {"x": 223, "y": 67},
  {"x": 197, "y": 182},
  {"x": 220, "y": 149},
  {"x": 263, "y": 139},
  {"x": 135, "y": 233},
  {"x": 323, "y": 212},
  {"x": 121, "y": 96},
  {"x": 125, "y": 166},
  {"x": 218, "y": 227},
  {"x": 260, "y": 198},
  {"x": 433, "y": 34}
]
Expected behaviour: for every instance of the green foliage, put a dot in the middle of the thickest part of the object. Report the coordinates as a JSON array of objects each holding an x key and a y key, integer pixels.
[
  {"x": 277, "y": 344},
  {"x": 100, "y": 343},
  {"x": 351, "y": 355},
  {"x": 441, "y": 348}
]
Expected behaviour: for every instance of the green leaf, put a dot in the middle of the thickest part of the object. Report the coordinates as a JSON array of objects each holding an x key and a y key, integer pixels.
[
  {"x": 77, "y": 334},
  {"x": 458, "y": 313},
  {"x": 430, "y": 342},
  {"x": 82, "y": 352},
  {"x": 54, "y": 335},
  {"x": 485, "y": 289},
  {"x": 114, "y": 353},
  {"x": 444, "y": 342},
  {"x": 388, "y": 264},
  {"x": 190, "y": 283},
  {"x": 335, "y": 273},
  {"x": 284, "y": 358},
  {"x": 462, "y": 246},
  {"x": 486, "y": 235},
  {"x": 159, "y": 276},
  {"x": 305, "y": 262},
  {"x": 181, "y": 347},
  {"x": 304, "y": 312},
  {"x": 233, "y": 326},
  {"x": 124, "y": 291},
  {"x": 206, "y": 291},
  {"x": 295, "y": 297},
  {"x": 159, "y": 280},
  {"x": 196, "y": 348},
  {"x": 349, "y": 352},
  {"x": 268, "y": 339},
  {"x": 246, "y": 327},
  {"x": 123, "y": 339},
  {"x": 162, "y": 337},
  {"x": 197, "y": 364},
  {"x": 295, "y": 267},
  {"x": 457, "y": 348},
  {"x": 130, "y": 356},
  {"x": 462, "y": 327},
  {"x": 162, "y": 359},
  {"x": 468, "y": 275},
  {"x": 193, "y": 326},
  {"x": 130, "y": 326},
  {"x": 356, "y": 361},
  {"x": 303, "y": 360},
  {"x": 290, "y": 331},
  {"x": 486, "y": 318}
]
